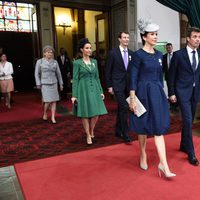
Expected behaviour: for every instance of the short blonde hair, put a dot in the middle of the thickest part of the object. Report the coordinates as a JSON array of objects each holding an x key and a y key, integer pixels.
[{"x": 48, "y": 47}]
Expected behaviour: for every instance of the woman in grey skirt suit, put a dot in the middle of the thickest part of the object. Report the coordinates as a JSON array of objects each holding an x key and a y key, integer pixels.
[{"x": 47, "y": 76}]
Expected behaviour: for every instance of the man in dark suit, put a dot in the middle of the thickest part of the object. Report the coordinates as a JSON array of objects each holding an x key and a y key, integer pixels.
[
  {"x": 167, "y": 59},
  {"x": 184, "y": 87},
  {"x": 117, "y": 74},
  {"x": 166, "y": 63},
  {"x": 65, "y": 69}
]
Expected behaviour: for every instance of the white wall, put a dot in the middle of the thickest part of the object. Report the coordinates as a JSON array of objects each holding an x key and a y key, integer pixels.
[{"x": 166, "y": 18}]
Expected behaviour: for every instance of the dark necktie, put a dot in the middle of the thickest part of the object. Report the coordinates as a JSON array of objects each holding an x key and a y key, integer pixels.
[
  {"x": 194, "y": 61},
  {"x": 169, "y": 59},
  {"x": 125, "y": 58}
]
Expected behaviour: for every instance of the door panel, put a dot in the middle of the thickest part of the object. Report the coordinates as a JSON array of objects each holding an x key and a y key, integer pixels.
[
  {"x": 102, "y": 43},
  {"x": 19, "y": 50}
]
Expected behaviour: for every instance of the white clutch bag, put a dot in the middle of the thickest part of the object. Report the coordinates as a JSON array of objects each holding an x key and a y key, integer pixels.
[{"x": 140, "y": 109}]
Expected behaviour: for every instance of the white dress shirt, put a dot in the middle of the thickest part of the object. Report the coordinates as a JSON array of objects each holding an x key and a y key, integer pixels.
[
  {"x": 169, "y": 57},
  {"x": 63, "y": 59},
  {"x": 6, "y": 71},
  {"x": 190, "y": 54},
  {"x": 122, "y": 52}
]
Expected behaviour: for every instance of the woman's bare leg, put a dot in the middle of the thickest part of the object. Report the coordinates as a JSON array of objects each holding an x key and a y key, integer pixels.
[
  {"x": 160, "y": 145},
  {"x": 8, "y": 97},
  {"x": 86, "y": 125},
  {"x": 46, "y": 106},
  {"x": 93, "y": 122},
  {"x": 53, "y": 112},
  {"x": 143, "y": 156}
]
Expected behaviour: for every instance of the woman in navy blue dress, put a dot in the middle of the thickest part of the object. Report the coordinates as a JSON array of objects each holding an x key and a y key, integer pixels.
[{"x": 147, "y": 84}]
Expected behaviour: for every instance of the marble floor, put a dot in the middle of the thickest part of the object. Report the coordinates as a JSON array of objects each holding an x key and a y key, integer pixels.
[{"x": 10, "y": 187}]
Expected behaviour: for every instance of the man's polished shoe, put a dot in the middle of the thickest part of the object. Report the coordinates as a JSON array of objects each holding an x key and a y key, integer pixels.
[
  {"x": 119, "y": 136},
  {"x": 193, "y": 160},
  {"x": 127, "y": 139}
]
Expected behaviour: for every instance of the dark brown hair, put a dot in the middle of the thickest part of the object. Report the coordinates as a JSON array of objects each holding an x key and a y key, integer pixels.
[
  {"x": 192, "y": 29},
  {"x": 82, "y": 43},
  {"x": 143, "y": 35},
  {"x": 120, "y": 33},
  {"x": 168, "y": 44}
]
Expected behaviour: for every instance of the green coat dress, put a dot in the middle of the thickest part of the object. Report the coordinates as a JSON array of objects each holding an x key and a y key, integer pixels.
[{"x": 87, "y": 89}]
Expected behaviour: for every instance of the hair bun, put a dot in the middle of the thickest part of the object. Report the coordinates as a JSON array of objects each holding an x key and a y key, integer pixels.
[{"x": 82, "y": 42}]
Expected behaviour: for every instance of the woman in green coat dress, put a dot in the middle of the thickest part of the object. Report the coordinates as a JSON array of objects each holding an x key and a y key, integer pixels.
[{"x": 87, "y": 93}]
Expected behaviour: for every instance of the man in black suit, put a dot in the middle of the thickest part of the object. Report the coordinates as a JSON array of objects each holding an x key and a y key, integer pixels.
[
  {"x": 117, "y": 74},
  {"x": 166, "y": 63},
  {"x": 184, "y": 87},
  {"x": 65, "y": 69},
  {"x": 167, "y": 59}
]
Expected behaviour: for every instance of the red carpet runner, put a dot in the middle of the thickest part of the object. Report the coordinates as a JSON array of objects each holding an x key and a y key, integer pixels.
[
  {"x": 111, "y": 173},
  {"x": 24, "y": 136}
]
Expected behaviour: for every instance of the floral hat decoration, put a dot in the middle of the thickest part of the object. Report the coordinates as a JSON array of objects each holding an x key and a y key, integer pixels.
[{"x": 147, "y": 26}]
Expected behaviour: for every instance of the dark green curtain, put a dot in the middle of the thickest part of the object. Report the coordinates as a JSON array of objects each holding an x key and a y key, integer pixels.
[{"x": 191, "y": 8}]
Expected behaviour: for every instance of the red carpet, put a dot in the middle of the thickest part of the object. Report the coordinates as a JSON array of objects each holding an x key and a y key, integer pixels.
[
  {"x": 110, "y": 173},
  {"x": 24, "y": 136},
  {"x": 24, "y": 106}
]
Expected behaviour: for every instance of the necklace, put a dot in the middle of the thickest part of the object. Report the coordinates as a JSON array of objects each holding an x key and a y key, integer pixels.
[
  {"x": 88, "y": 61},
  {"x": 87, "y": 64}
]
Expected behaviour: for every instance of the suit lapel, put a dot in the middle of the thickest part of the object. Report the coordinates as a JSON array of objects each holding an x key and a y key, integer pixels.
[
  {"x": 198, "y": 66},
  {"x": 129, "y": 58},
  {"x": 186, "y": 57},
  {"x": 119, "y": 57},
  {"x": 86, "y": 67}
]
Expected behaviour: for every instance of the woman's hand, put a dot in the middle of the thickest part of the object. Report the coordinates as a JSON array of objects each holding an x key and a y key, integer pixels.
[
  {"x": 103, "y": 96},
  {"x": 61, "y": 88},
  {"x": 74, "y": 100},
  {"x": 2, "y": 74},
  {"x": 132, "y": 105}
]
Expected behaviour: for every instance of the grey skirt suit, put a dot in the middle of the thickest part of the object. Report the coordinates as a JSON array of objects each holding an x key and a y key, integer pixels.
[{"x": 47, "y": 76}]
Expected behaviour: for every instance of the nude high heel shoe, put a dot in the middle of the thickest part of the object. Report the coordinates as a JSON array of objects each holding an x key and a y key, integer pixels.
[
  {"x": 162, "y": 171},
  {"x": 89, "y": 140},
  {"x": 45, "y": 118},
  {"x": 144, "y": 167}
]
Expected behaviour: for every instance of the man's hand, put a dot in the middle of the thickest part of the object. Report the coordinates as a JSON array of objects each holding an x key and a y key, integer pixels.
[
  {"x": 173, "y": 99},
  {"x": 74, "y": 100},
  {"x": 110, "y": 90}
]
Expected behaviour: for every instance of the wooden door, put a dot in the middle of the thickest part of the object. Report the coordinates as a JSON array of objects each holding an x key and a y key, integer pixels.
[{"x": 102, "y": 43}]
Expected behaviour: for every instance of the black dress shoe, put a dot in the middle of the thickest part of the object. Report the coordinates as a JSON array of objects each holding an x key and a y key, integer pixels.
[
  {"x": 94, "y": 139},
  {"x": 193, "y": 160},
  {"x": 127, "y": 139},
  {"x": 119, "y": 136}
]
